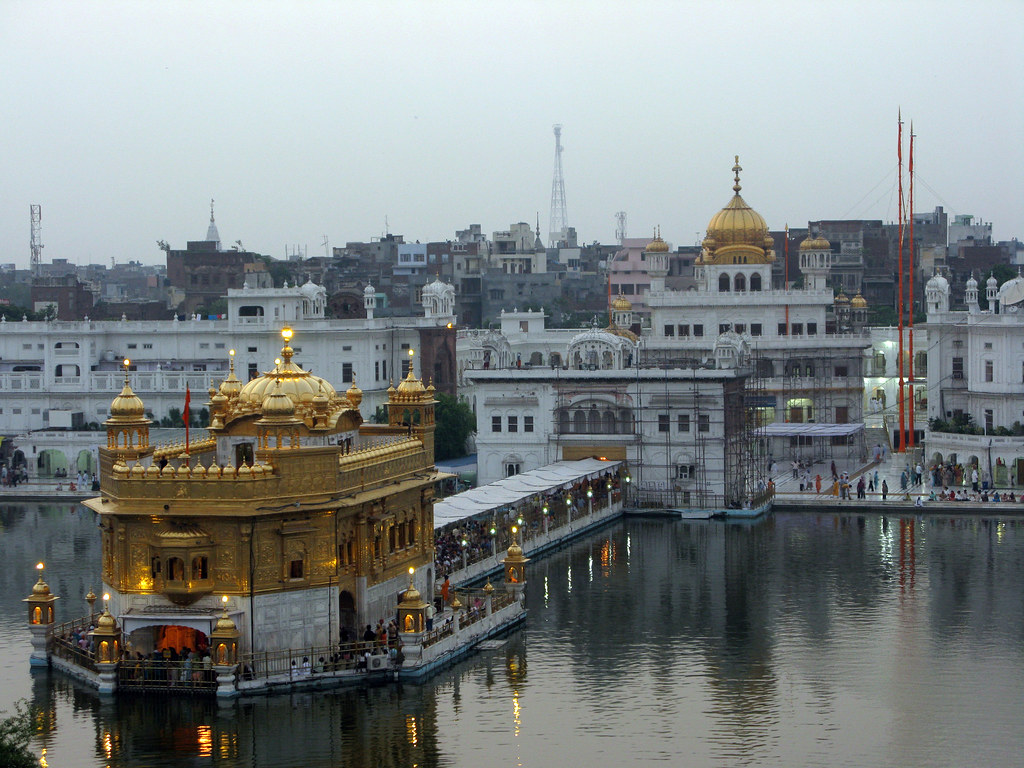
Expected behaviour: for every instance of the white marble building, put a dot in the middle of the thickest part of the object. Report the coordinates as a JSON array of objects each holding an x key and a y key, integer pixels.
[
  {"x": 64, "y": 374},
  {"x": 976, "y": 370}
]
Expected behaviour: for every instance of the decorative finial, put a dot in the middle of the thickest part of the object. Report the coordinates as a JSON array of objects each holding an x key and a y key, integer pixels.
[
  {"x": 126, "y": 363},
  {"x": 736, "y": 170},
  {"x": 211, "y": 210},
  {"x": 286, "y": 350},
  {"x": 231, "y": 363}
]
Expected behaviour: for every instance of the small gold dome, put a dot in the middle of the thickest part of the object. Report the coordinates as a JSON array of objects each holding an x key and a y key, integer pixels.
[
  {"x": 858, "y": 301},
  {"x": 621, "y": 304},
  {"x": 488, "y": 587},
  {"x": 657, "y": 245},
  {"x": 225, "y": 624},
  {"x": 410, "y": 386},
  {"x": 456, "y": 603},
  {"x": 412, "y": 595},
  {"x": 842, "y": 298},
  {"x": 277, "y": 404},
  {"x": 515, "y": 551},
  {"x": 41, "y": 588},
  {"x": 818, "y": 243},
  {"x": 127, "y": 406},
  {"x": 105, "y": 621}
]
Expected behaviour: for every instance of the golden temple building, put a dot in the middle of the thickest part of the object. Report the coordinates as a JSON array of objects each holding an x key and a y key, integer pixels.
[{"x": 305, "y": 518}]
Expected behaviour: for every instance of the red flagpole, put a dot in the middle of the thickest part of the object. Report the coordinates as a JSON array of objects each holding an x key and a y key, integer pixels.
[
  {"x": 910, "y": 361},
  {"x": 902, "y": 440},
  {"x": 188, "y": 399},
  {"x": 785, "y": 274}
]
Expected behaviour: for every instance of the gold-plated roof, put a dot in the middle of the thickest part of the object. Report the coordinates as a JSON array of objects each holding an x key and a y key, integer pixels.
[
  {"x": 41, "y": 588},
  {"x": 842, "y": 298},
  {"x": 231, "y": 386},
  {"x": 621, "y": 304},
  {"x": 737, "y": 234},
  {"x": 858, "y": 301},
  {"x": 105, "y": 621}
]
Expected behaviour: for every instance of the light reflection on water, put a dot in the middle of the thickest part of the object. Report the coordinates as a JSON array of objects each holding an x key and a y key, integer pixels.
[{"x": 802, "y": 640}]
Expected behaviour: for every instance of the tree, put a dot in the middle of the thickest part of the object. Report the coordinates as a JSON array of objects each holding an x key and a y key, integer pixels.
[
  {"x": 1002, "y": 273},
  {"x": 15, "y": 734},
  {"x": 455, "y": 423}
]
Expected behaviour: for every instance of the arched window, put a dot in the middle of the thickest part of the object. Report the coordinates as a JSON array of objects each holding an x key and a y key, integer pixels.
[
  {"x": 755, "y": 282},
  {"x": 579, "y": 422},
  {"x": 723, "y": 283},
  {"x": 740, "y": 283},
  {"x": 175, "y": 569},
  {"x": 563, "y": 422},
  {"x": 609, "y": 423},
  {"x": 199, "y": 567},
  {"x": 595, "y": 422}
]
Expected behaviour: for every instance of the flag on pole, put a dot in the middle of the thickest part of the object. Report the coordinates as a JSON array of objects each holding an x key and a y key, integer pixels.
[{"x": 188, "y": 399}]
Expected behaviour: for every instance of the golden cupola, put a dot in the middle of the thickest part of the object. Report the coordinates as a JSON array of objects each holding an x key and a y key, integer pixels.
[
  {"x": 737, "y": 234},
  {"x": 815, "y": 243},
  {"x": 858, "y": 301},
  {"x": 301, "y": 386},
  {"x": 127, "y": 406},
  {"x": 621, "y": 304},
  {"x": 231, "y": 386},
  {"x": 657, "y": 245}
]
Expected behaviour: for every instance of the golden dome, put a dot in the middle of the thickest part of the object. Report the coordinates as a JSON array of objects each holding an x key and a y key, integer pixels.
[
  {"x": 411, "y": 387},
  {"x": 105, "y": 621},
  {"x": 858, "y": 301},
  {"x": 41, "y": 588},
  {"x": 657, "y": 245},
  {"x": 737, "y": 233},
  {"x": 412, "y": 595},
  {"x": 818, "y": 243},
  {"x": 488, "y": 587},
  {"x": 127, "y": 406},
  {"x": 225, "y": 624},
  {"x": 277, "y": 405},
  {"x": 621, "y": 304},
  {"x": 842, "y": 298},
  {"x": 299, "y": 385},
  {"x": 515, "y": 551}
]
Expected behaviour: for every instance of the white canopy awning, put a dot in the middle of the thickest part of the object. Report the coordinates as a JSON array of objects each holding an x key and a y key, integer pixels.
[
  {"x": 512, "y": 490},
  {"x": 780, "y": 429}
]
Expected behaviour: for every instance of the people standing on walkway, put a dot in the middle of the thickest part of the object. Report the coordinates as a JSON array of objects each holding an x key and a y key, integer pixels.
[
  {"x": 919, "y": 472},
  {"x": 817, "y": 483},
  {"x": 974, "y": 479},
  {"x": 885, "y": 490},
  {"x": 861, "y": 494},
  {"x": 903, "y": 480}
]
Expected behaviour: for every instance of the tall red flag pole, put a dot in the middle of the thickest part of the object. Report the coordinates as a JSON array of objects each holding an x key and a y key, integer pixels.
[
  {"x": 902, "y": 440},
  {"x": 910, "y": 361},
  {"x": 188, "y": 399}
]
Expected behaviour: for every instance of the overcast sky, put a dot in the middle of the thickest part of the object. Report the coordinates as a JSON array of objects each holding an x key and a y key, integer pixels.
[{"x": 309, "y": 119}]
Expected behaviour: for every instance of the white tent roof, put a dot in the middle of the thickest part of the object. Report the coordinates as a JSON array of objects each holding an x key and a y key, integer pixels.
[
  {"x": 779, "y": 429},
  {"x": 512, "y": 490}
]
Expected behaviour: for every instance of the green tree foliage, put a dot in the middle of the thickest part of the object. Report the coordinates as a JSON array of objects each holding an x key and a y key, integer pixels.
[
  {"x": 15, "y": 734},
  {"x": 455, "y": 423}
]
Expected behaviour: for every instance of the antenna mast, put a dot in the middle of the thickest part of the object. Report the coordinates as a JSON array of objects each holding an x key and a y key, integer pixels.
[
  {"x": 559, "y": 220},
  {"x": 620, "y": 227},
  {"x": 36, "y": 240}
]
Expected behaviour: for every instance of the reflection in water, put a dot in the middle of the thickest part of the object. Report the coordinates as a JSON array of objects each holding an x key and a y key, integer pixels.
[{"x": 803, "y": 639}]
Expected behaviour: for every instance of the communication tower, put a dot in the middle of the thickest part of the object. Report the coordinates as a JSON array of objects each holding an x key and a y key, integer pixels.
[
  {"x": 620, "y": 227},
  {"x": 36, "y": 241},
  {"x": 559, "y": 218}
]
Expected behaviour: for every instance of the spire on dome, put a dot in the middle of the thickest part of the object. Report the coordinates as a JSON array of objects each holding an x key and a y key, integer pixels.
[
  {"x": 212, "y": 235},
  {"x": 736, "y": 170}
]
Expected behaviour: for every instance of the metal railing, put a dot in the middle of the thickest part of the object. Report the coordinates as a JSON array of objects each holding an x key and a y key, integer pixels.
[
  {"x": 307, "y": 662},
  {"x": 188, "y": 676}
]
